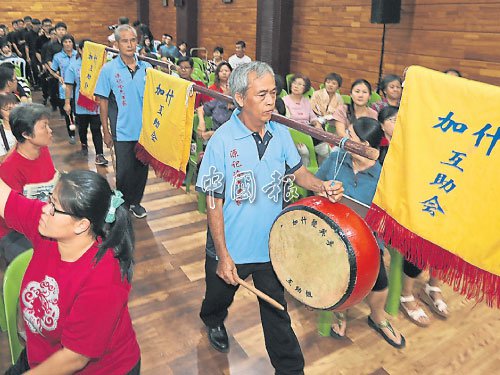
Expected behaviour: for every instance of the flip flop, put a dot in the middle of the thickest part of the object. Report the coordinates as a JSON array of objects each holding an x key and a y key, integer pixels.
[{"x": 385, "y": 324}]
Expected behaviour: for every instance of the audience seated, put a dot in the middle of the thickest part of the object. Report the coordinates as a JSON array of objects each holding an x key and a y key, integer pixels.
[
  {"x": 239, "y": 58},
  {"x": 7, "y": 140},
  {"x": 391, "y": 90},
  {"x": 345, "y": 115},
  {"x": 217, "y": 58},
  {"x": 298, "y": 108},
  {"x": 183, "y": 49},
  {"x": 325, "y": 101},
  {"x": 222, "y": 73}
]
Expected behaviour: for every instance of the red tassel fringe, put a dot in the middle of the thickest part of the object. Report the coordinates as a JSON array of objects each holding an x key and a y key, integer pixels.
[
  {"x": 166, "y": 172},
  {"x": 465, "y": 278},
  {"x": 87, "y": 103}
]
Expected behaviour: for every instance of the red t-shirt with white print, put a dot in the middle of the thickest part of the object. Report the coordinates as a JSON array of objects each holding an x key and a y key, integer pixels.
[{"x": 78, "y": 305}]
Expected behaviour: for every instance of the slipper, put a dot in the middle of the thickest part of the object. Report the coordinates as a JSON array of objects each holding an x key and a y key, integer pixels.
[
  {"x": 341, "y": 319},
  {"x": 437, "y": 306},
  {"x": 413, "y": 315},
  {"x": 386, "y": 324}
]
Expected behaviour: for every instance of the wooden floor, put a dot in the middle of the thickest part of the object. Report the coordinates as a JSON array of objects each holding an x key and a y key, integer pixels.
[{"x": 168, "y": 288}]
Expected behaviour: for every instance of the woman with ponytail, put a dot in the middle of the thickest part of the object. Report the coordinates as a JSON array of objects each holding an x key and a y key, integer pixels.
[
  {"x": 345, "y": 115},
  {"x": 74, "y": 293}
]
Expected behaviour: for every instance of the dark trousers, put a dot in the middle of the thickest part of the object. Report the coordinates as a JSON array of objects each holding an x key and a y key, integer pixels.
[
  {"x": 53, "y": 87},
  {"x": 44, "y": 84},
  {"x": 131, "y": 173},
  {"x": 410, "y": 269},
  {"x": 281, "y": 343},
  {"x": 69, "y": 119},
  {"x": 83, "y": 122}
]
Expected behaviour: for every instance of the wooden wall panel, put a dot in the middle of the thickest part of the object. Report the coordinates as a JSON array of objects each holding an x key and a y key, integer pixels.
[
  {"x": 223, "y": 24},
  {"x": 162, "y": 19},
  {"x": 438, "y": 34},
  {"x": 85, "y": 19}
]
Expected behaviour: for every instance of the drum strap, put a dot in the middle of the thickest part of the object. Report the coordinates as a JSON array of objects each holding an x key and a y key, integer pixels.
[{"x": 337, "y": 165}]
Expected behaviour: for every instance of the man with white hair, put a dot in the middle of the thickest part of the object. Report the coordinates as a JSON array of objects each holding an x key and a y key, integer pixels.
[
  {"x": 243, "y": 156},
  {"x": 120, "y": 89}
]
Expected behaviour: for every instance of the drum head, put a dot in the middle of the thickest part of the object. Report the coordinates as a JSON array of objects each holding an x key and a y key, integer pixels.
[{"x": 312, "y": 257}]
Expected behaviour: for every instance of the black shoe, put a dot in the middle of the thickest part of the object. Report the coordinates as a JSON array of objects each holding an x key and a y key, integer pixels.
[
  {"x": 138, "y": 211},
  {"x": 218, "y": 338},
  {"x": 84, "y": 151}
]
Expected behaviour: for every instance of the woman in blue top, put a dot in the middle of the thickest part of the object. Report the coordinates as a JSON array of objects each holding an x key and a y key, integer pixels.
[
  {"x": 60, "y": 62},
  {"x": 359, "y": 176}
]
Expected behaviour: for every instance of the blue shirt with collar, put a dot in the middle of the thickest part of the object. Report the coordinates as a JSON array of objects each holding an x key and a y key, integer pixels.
[
  {"x": 360, "y": 186},
  {"x": 61, "y": 61},
  {"x": 233, "y": 148},
  {"x": 72, "y": 77},
  {"x": 125, "y": 92}
]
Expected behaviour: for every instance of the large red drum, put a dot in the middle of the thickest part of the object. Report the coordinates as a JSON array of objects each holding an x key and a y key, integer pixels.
[{"x": 324, "y": 254}]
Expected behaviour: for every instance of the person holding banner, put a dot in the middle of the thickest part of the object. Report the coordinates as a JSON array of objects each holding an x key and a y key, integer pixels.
[
  {"x": 359, "y": 175},
  {"x": 242, "y": 173},
  {"x": 83, "y": 116},
  {"x": 120, "y": 89},
  {"x": 431, "y": 294}
]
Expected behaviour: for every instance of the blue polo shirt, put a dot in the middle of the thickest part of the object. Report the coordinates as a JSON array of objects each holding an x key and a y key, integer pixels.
[
  {"x": 247, "y": 218},
  {"x": 60, "y": 62},
  {"x": 360, "y": 186},
  {"x": 124, "y": 90},
  {"x": 72, "y": 77}
]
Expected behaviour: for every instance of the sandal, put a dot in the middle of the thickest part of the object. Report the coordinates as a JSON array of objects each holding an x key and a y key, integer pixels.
[
  {"x": 341, "y": 319},
  {"x": 414, "y": 315},
  {"x": 438, "y": 306},
  {"x": 385, "y": 324}
]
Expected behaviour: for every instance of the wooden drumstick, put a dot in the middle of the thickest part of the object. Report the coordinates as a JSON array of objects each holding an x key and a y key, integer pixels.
[
  {"x": 113, "y": 161},
  {"x": 260, "y": 294}
]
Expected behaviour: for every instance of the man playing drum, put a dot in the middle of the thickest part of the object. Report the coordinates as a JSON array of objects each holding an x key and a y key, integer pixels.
[{"x": 242, "y": 175}]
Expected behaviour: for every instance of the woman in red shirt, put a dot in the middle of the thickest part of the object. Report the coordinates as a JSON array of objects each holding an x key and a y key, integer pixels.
[
  {"x": 74, "y": 293},
  {"x": 222, "y": 73}
]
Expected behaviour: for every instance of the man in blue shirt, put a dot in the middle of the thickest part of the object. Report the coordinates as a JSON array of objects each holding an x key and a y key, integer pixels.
[
  {"x": 120, "y": 89},
  {"x": 167, "y": 48},
  {"x": 83, "y": 116},
  {"x": 242, "y": 175}
]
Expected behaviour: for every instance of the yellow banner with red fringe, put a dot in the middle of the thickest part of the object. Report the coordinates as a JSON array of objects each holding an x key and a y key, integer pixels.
[
  {"x": 93, "y": 58},
  {"x": 437, "y": 200},
  {"x": 167, "y": 125}
]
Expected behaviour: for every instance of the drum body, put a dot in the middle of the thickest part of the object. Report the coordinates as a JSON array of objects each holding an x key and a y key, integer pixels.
[{"x": 324, "y": 254}]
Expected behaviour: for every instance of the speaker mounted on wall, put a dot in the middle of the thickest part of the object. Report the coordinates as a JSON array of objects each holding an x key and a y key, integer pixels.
[{"x": 386, "y": 11}]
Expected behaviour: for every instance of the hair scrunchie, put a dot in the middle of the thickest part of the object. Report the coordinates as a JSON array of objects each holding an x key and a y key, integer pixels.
[{"x": 116, "y": 201}]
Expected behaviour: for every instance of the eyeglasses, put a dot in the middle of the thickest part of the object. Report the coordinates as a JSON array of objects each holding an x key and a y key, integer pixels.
[{"x": 53, "y": 210}]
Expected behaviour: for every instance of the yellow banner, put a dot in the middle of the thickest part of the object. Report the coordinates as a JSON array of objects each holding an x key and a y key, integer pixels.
[
  {"x": 167, "y": 124},
  {"x": 437, "y": 198},
  {"x": 93, "y": 58}
]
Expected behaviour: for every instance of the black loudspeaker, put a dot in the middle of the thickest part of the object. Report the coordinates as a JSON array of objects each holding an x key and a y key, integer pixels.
[{"x": 386, "y": 11}]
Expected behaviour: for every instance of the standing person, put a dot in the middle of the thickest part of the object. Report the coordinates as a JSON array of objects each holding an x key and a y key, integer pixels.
[
  {"x": 431, "y": 294},
  {"x": 31, "y": 37},
  {"x": 75, "y": 291},
  {"x": 60, "y": 62},
  {"x": 239, "y": 58},
  {"x": 359, "y": 175},
  {"x": 51, "y": 48},
  {"x": 41, "y": 41},
  {"x": 120, "y": 89},
  {"x": 238, "y": 228},
  {"x": 83, "y": 117}
]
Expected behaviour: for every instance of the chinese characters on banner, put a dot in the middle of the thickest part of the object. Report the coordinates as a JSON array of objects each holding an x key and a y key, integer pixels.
[
  {"x": 167, "y": 123},
  {"x": 442, "y": 180},
  {"x": 93, "y": 58},
  {"x": 437, "y": 199}
]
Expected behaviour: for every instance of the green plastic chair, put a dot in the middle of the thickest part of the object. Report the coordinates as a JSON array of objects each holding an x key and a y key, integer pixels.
[
  {"x": 211, "y": 79},
  {"x": 283, "y": 93},
  {"x": 11, "y": 289},
  {"x": 374, "y": 98},
  {"x": 306, "y": 139},
  {"x": 309, "y": 93},
  {"x": 346, "y": 99},
  {"x": 199, "y": 63}
]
